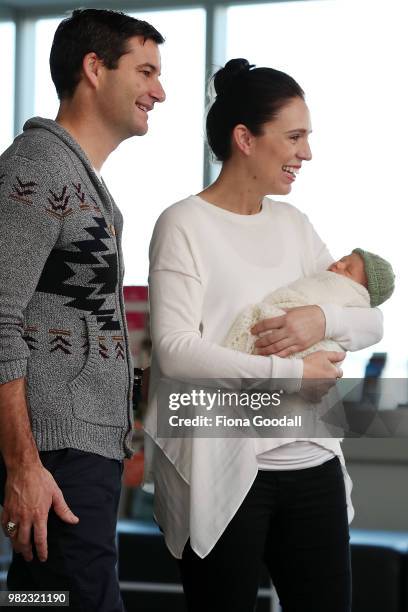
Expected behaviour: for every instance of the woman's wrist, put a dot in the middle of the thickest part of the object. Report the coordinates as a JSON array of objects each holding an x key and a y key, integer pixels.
[
  {"x": 289, "y": 373},
  {"x": 330, "y": 312}
]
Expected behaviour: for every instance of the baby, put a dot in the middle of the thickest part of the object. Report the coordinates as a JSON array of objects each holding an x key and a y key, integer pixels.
[{"x": 359, "y": 279}]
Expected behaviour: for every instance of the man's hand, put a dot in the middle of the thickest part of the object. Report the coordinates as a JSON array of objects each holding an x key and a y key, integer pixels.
[
  {"x": 30, "y": 492},
  {"x": 295, "y": 331}
]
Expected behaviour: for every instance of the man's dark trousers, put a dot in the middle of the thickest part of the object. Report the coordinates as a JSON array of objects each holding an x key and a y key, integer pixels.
[{"x": 82, "y": 558}]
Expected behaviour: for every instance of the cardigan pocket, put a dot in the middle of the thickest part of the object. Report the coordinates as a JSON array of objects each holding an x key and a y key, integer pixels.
[{"x": 99, "y": 392}]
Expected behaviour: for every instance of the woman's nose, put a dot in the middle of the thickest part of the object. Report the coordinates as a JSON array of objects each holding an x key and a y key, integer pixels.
[{"x": 305, "y": 152}]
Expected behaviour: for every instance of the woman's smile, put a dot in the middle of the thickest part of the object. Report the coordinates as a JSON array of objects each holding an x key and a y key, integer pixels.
[{"x": 291, "y": 172}]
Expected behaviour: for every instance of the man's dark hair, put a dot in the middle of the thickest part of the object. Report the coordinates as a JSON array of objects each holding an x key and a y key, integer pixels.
[{"x": 103, "y": 32}]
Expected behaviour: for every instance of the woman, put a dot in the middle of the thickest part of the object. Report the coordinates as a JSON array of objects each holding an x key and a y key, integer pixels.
[{"x": 226, "y": 505}]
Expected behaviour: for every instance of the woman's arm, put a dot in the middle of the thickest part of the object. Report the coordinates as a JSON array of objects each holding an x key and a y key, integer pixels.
[
  {"x": 176, "y": 304},
  {"x": 353, "y": 328}
]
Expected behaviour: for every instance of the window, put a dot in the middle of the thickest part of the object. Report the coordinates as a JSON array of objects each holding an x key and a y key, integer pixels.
[
  {"x": 45, "y": 98},
  {"x": 145, "y": 175},
  {"x": 353, "y": 73},
  {"x": 148, "y": 174},
  {"x": 7, "y": 34}
]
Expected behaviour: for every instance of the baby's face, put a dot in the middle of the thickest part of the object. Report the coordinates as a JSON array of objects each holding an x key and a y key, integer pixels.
[{"x": 351, "y": 266}]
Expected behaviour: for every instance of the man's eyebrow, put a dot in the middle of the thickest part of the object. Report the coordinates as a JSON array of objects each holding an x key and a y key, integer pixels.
[{"x": 148, "y": 65}]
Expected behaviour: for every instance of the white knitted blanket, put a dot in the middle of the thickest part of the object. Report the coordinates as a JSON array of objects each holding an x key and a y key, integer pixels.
[{"x": 324, "y": 287}]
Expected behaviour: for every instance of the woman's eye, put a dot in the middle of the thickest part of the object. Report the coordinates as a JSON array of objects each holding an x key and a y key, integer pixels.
[{"x": 295, "y": 137}]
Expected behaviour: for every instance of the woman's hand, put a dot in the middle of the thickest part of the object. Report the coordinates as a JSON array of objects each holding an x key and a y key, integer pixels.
[
  {"x": 293, "y": 332},
  {"x": 322, "y": 364},
  {"x": 320, "y": 373}
]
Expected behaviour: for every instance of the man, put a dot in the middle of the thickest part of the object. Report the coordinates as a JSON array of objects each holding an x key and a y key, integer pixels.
[{"x": 65, "y": 367}]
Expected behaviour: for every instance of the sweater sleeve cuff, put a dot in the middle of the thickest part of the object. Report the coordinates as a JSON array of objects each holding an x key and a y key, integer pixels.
[
  {"x": 331, "y": 314},
  {"x": 288, "y": 372},
  {"x": 11, "y": 370}
]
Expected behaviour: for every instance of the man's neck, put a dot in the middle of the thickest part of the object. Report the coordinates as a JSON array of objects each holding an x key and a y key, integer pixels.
[{"x": 92, "y": 135}]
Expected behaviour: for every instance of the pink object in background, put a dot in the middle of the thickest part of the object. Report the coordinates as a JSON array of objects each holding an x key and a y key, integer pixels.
[{"x": 137, "y": 316}]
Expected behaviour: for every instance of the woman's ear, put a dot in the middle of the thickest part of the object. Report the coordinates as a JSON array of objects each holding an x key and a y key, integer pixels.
[{"x": 242, "y": 138}]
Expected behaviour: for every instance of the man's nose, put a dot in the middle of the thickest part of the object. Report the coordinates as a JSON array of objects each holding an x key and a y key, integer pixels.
[{"x": 158, "y": 92}]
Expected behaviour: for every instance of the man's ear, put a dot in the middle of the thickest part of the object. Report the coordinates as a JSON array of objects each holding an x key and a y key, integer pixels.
[
  {"x": 242, "y": 138},
  {"x": 91, "y": 68}
]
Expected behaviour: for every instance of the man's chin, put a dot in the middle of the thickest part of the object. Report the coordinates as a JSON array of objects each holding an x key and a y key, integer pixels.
[
  {"x": 141, "y": 130},
  {"x": 137, "y": 129}
]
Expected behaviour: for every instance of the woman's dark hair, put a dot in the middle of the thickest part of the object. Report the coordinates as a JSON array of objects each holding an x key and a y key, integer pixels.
[
  {"x": 248, "y": 95},
  {"x": 104, "y": 32}
]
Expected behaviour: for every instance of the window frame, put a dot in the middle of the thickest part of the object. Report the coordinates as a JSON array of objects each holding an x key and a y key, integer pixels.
[{"x": 25, "y": 13}]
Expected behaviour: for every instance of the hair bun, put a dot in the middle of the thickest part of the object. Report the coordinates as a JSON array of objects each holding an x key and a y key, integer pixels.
[{"x": 224, "y": 78}]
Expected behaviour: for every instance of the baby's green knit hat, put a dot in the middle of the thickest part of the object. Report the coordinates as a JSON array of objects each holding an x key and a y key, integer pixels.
[{"x": 380, "y": 277}]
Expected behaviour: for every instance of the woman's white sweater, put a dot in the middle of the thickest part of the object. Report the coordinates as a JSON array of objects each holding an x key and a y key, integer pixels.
[{"x": 206, "y": 265}]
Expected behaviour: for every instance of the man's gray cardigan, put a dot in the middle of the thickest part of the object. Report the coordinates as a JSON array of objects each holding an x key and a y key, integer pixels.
[{"x": 62, "y": 315}]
